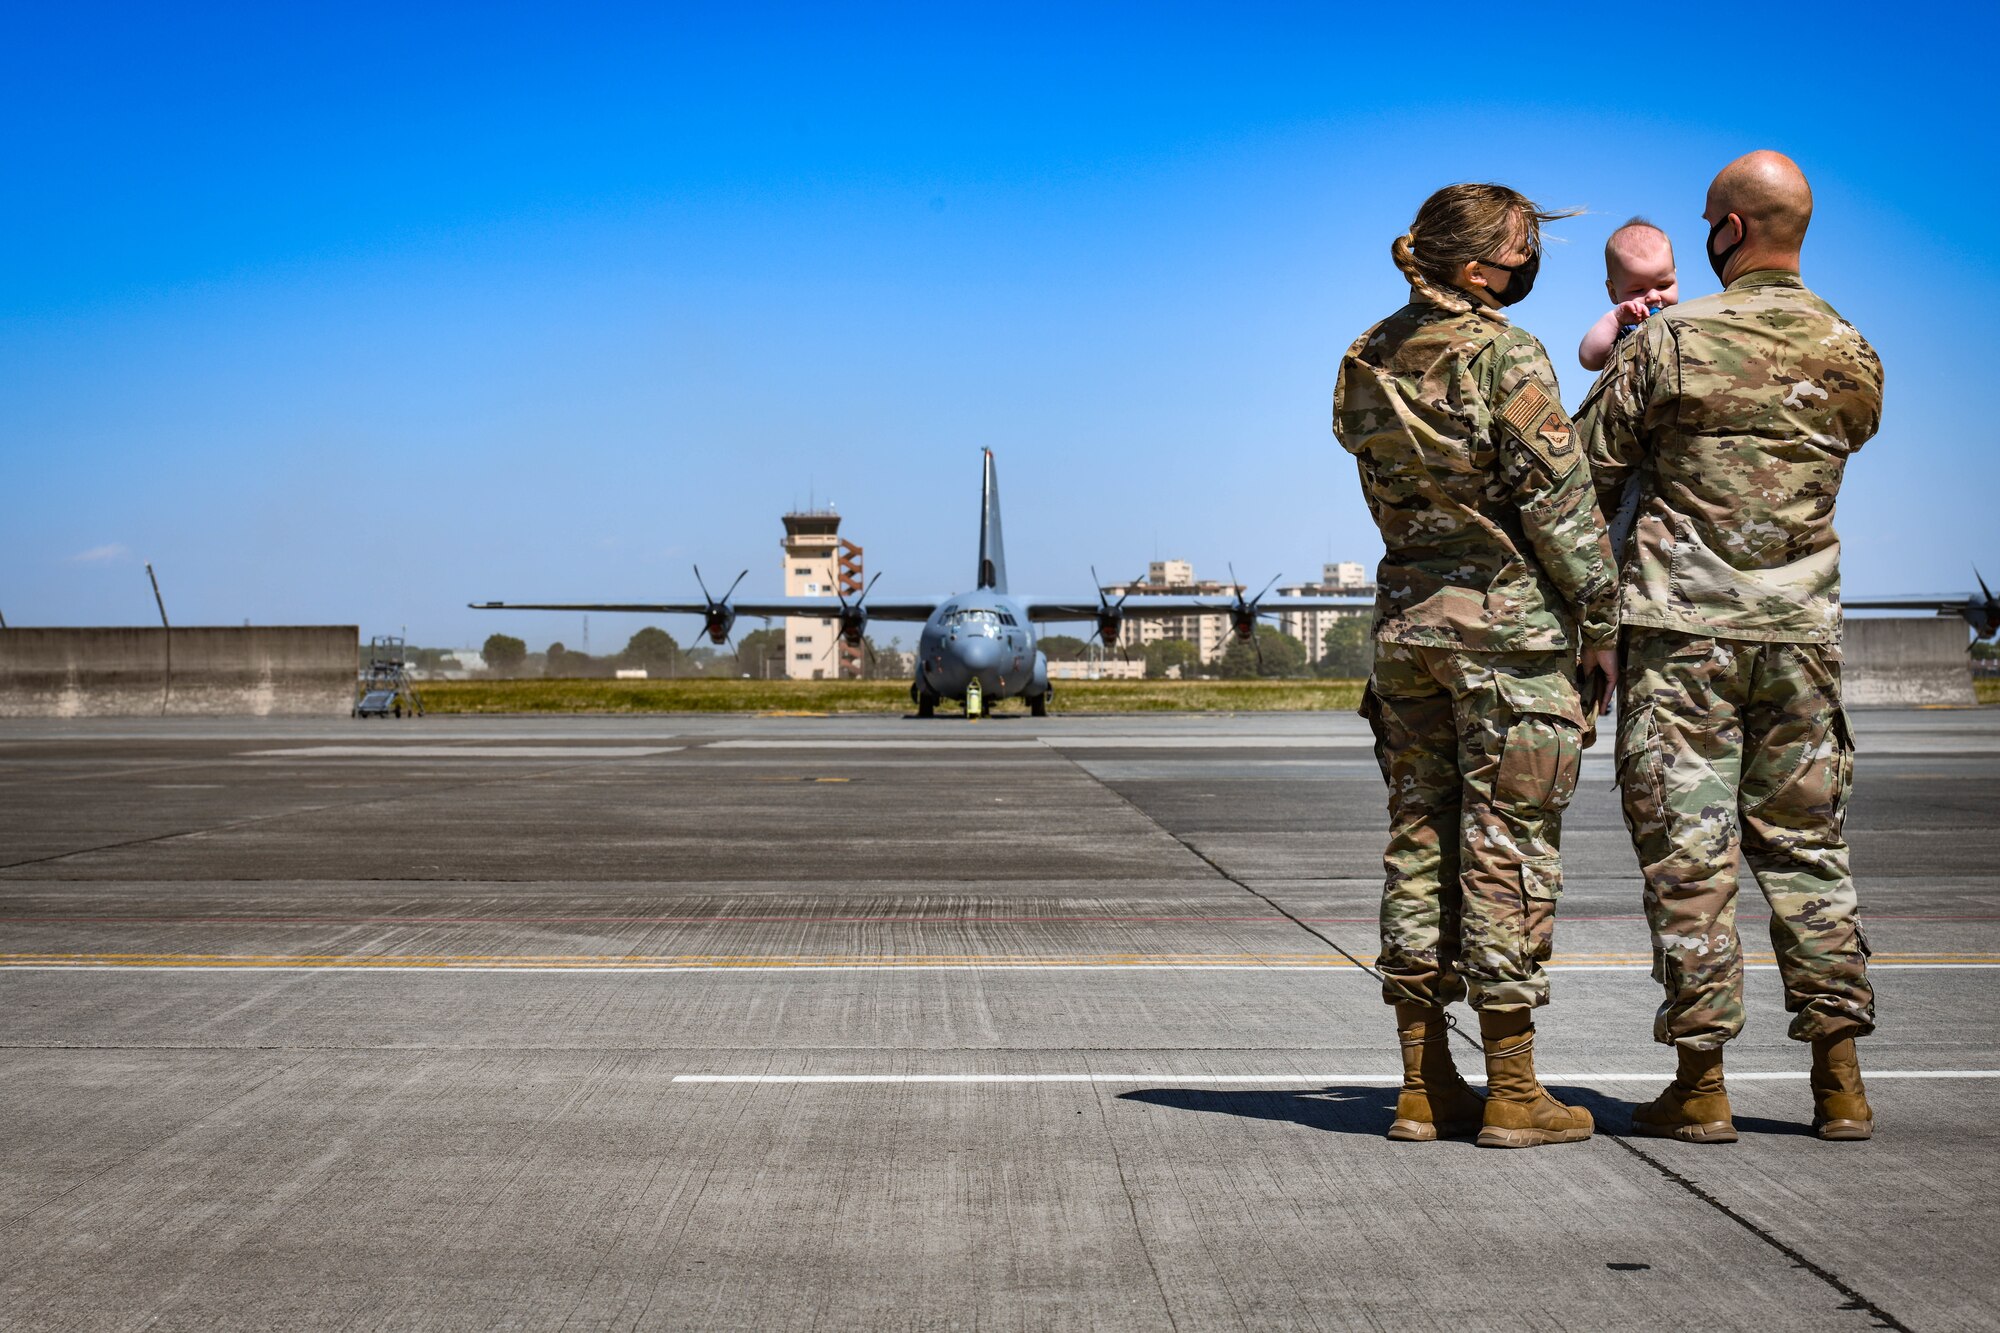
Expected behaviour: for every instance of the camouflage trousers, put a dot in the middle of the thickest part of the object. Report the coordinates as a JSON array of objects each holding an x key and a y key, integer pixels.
[
  {"x": 1480, "y": 751},
  {"x": 1726, "y": 746}
]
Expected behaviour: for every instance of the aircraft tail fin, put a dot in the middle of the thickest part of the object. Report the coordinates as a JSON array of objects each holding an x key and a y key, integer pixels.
[{"x": 992, "y": 552}]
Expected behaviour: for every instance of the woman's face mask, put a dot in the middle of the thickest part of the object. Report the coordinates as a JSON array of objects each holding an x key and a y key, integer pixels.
[{"x": 1521, "y": 278}]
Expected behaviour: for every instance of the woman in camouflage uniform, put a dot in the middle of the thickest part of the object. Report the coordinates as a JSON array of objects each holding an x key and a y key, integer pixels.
[{"x": 1497, "y": 577}]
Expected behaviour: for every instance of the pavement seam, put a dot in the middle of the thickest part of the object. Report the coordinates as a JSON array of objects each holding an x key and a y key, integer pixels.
[
  {"x": 1855, "y": 1300},
  {"x": 1212, "y": 864},
  {"x": 1132, "y": 1209}
]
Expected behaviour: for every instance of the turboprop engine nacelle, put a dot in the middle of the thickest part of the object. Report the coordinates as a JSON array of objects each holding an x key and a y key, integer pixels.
[
  {"x": 853, "y": 625},
  {"x": 853, "y": 619},
  {"x": 717, "y": 621},
  {"x": 720, "y": 617}
]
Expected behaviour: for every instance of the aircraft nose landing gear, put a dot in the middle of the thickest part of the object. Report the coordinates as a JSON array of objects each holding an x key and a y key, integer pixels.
[{"x": 975, "y": 699}]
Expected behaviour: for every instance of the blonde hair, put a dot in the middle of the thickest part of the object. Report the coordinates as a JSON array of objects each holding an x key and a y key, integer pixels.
[{"x": 1461, "y": 223}]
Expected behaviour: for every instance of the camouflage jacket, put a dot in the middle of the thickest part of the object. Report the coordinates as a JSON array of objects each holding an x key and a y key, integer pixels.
[
  {"x": 1733, "y": 415},
  {"x": 1494, "y": 542}
]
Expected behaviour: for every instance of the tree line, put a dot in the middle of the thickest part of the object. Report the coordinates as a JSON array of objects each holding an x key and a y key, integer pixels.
[
  {"x": 1348, "y": 653},
  {"x": 759, "y": 653}
]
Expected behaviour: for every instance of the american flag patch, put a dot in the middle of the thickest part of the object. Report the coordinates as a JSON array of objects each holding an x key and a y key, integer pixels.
[{"x": 1524, "y": 411}]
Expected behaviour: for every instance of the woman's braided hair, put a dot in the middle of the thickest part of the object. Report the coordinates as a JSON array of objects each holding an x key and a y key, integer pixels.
[{"x": 1461, "y": 223}]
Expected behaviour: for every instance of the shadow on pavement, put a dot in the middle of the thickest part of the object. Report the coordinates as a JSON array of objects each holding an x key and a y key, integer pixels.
[
  {"x": 1368, "y": 1110},
  {"x": 1365, "y": 1110},
  {"x": 1614, "y": 1114}
]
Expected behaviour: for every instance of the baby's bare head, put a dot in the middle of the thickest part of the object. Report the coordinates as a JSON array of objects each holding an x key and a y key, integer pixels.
[{"x": 1639, "y": 262}]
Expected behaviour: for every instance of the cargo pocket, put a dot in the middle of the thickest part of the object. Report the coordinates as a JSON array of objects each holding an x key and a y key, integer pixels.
[
  {"x": 1543, "y": 751},
  {"x": 1371, "y": 708},
  {"x": 1843, "y": 741},
  {"x": 1642, "y": 770},
  {"x": 1541, "y": 889}
]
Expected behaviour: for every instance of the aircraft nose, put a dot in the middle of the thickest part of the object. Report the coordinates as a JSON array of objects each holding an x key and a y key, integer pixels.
[{"x": 979, "y": 654}]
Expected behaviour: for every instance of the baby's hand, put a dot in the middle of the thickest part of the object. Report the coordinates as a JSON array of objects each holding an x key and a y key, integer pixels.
[{"x": 1633, "y": 311}]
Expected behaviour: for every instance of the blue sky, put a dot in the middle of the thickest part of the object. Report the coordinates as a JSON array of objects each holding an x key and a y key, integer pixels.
[{"x": 341, "y": 314}]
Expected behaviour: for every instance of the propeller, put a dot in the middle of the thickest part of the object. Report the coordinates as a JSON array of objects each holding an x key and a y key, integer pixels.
[
  {"x": 854, "y": 623},
  {"x": 1985, "y": 618},
  {"x": 854, "y": 618},
  {"x": 1243, "y": 614},
  {"x": 1110, "y": 617},
  {"x": 720, "y": 617}
]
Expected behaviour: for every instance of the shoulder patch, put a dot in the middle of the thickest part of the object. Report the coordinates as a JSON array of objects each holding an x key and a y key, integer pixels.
[{"x": 1537, "y": 421}]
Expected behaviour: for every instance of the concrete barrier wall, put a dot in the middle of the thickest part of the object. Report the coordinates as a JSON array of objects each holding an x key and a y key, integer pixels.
[
  {"x": 1904, "y": 660},
  {"x": 262, "y": 671}
]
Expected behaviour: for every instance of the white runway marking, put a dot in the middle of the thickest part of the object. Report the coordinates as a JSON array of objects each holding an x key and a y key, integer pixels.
[
  {"x": 1390, "y": 1080},
  {"x": 1209, "y": 742},
  {"x": 913, "y": 743},
  {"x": 390, "y": 750}
]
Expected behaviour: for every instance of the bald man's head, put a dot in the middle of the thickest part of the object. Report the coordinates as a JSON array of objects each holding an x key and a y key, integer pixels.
[{"x": 1769, "y": 192}]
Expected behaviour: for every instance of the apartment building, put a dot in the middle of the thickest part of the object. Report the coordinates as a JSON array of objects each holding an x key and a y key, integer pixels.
[
  {"x": 1209, "y": 633},
  {"x": 1345, "y": 579}
]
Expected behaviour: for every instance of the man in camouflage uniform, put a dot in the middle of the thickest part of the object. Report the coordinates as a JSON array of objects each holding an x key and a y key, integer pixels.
[
  {"x": 1735, "y": 415},
  {"x": 1496, "y": 560}
]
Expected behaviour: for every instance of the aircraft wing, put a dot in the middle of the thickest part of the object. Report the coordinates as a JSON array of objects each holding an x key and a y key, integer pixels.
[
  {"x": 1944, "y": 606},
  {"x": 824, "y": 607},
  {"x": 1147, "y": 607}
]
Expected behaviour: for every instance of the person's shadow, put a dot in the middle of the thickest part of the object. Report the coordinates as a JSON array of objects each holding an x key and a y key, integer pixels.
[
  {"x": 1338, "y": 1110},
  {"x": 1367, "y": 1110}
]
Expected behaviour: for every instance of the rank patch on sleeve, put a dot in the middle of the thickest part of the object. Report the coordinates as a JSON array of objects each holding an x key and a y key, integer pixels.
[{"x": 1540, "y": 424}]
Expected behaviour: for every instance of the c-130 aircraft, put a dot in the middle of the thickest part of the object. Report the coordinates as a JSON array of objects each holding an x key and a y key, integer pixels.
[{"x": 976, "y": 647}]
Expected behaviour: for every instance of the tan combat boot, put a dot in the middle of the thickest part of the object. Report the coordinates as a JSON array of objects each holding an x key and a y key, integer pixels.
[
  {"x": 1695, "y": 1106},
  {"x": 1519, "y": 1111},
  {"x": 1840, "y": 1103},
  {"x": 1434, "y": 1100}
]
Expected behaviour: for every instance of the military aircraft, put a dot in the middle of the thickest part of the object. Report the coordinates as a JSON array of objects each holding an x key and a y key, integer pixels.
[
  {"x": 976, "y": 647},
  {"x": 1981, "y": 612}
]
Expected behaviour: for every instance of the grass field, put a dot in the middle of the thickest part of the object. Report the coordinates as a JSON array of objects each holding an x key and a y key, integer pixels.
[
  {"x": 873, "y": 696},
  {"x": 1986, "y": 689}
]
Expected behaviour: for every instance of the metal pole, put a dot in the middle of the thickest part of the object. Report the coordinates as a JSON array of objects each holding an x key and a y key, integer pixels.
[{"x": 167, "y": 690}]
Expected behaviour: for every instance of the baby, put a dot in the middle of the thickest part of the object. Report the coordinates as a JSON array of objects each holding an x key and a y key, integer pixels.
[{"x": 1639, "y": 275}]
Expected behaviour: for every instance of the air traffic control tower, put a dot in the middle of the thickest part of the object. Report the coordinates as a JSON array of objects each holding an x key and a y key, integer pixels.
[{"x": 818, "y": 563}]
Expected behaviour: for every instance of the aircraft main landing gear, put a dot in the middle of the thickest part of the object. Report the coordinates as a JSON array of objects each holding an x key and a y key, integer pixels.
[
  {"x": 1039, "y": 704},
  {"x": 925, "y": 701}
]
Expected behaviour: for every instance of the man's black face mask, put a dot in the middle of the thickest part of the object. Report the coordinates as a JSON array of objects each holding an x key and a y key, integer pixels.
[
  {"x": 1521, "y": 281},
  {"x": 1720, "y": 262}
]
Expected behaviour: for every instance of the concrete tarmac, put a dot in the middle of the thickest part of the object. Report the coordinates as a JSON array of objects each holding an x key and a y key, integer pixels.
[{"x": 793, "y": 1022}]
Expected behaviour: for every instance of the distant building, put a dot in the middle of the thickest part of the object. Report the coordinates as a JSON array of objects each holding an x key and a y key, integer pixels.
[
  {"x": 1208, "y": 631},
  {"x": 1348, "y": 576},
  {"x": 818, "y": 563},
  {"x": 1345, "y": 579},
  {"x": 1110, "y": 668},
  {"x": 458, "y": 664}
]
